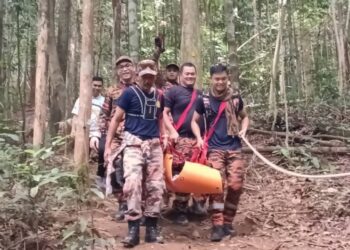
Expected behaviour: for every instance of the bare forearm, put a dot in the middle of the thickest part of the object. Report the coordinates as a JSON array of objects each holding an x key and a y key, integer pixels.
[
  {"x": 195, "y": 129},
  {"x": 245, "y": 123},
  {"x": 168, "y": 125},
  {"x": 111, "y": 132}
]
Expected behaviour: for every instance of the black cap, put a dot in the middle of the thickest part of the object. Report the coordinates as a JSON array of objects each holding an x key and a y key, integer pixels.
[{"x": 172, "y": 65}]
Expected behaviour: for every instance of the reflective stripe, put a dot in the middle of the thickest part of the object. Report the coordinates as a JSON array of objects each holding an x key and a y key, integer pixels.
[
  {"x": 217, "y": 206},
  {"x": 230, "y": 206}
]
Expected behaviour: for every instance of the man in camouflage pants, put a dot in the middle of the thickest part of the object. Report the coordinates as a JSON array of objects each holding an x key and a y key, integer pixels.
[
  {"x": 125, "y": 70},
  {"x": 142, "y": 107},
  {"x": 224, "y": 147}
]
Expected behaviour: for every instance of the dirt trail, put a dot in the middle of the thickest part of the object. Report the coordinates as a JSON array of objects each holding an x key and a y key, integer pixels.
[{"x": 276, "y": 212}]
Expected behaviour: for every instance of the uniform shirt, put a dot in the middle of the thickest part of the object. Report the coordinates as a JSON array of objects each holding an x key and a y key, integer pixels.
[
  {"x": 219, "y": 140},
  {"x": 96, "y": 107},
  {"x": 177, "y": 99},
  {"x": 109, "y": 106},
  {"x": 135, "y": 123}
]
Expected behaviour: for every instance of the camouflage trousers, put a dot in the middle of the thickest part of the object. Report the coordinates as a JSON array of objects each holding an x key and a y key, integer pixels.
[
  {"x": 143, "y": 163},
  {"x": 185, "y": 146},
  {"x": 231, "y": 166}
]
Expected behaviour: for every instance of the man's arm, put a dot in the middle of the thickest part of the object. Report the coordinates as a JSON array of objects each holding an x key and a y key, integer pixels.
[
  {"x": 105, "y": 115},
  {"x": 173, "y": 134},
  {"x": 117, "y": 118},
  {"x": 244, "y": 123},
  {"x": 196, "y": 129}
]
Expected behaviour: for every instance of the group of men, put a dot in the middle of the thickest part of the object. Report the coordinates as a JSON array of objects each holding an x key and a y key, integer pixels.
[{"x": 139, "y": 118}]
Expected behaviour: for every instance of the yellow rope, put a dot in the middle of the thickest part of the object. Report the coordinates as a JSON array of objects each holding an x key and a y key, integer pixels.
[{"x": 277, "y": 168}]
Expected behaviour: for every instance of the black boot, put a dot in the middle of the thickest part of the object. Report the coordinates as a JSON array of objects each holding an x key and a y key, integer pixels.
[
  {"x": 133, "y": 237},
  {"x": 229, "y": 230},
  {"x": 152, "y": 233},
  {"x": 120, "y": 215},
  {"x": 217, "y": 233}
]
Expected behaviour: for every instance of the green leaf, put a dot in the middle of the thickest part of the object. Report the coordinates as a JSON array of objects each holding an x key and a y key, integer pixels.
[
  {"x": 34, "y": 191},
  {"x": 285, "y": 152},
  {"x": 37, "y": 177},
  {"x": 98, "y": 193},
  {"x": 14, "y": 137}
]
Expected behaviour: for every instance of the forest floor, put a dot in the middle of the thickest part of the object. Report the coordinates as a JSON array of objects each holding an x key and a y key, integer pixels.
[{"x": 276, "y": 212}]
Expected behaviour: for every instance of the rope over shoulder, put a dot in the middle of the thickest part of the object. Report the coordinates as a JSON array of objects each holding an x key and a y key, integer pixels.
[{"x": 277, "y": 168}]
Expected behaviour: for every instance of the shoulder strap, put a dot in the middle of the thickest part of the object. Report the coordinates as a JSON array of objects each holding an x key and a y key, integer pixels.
[
  {"x": 183, "y": 116},
  {"x": 212, "y": 128}
]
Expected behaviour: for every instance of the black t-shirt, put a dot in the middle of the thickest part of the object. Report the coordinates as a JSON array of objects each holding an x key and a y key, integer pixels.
[
  {"x": 176, "y": 99},
  {"x": 219, "y": 140},
  {"x": 142, "y": 111}
]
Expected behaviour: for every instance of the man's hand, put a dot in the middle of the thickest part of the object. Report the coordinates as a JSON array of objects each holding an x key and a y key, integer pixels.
[
  {"x": 94, "y": 141},
  {"x": 174, "y": 136},
  {"x": 107, "y": 153},
  {"x": 200, "y": 143},
  {"x": 165, "y": 141},
  {"x": 242, "y": 133}
]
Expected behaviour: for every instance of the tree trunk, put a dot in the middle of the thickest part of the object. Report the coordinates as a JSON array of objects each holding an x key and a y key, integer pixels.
[
  {"x": 343, "y": 70},
  {"x": 2, "y": 57},
  {"x": 57, "y": 85},
  {"x": 231, "y": 41},
  {"x": 63, "y": 33},
  {"x": 124, "y": 37},
  {"x": 190, "y": 36},
  {"x": 41, "y": 75},
  {"x": 81, "y": 149},
  {"x": 31, "y": 80},
  {"x": 133, "y": 30},
  {"x": 117, "y": 17},
  {"x": 272, "y": 97},
  {"x": 72, "y": 62}
]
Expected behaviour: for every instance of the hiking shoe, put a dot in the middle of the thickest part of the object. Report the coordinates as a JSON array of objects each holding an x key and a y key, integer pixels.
[
  {"x": 229, "y": 230},
  {"x": 152, "y": 233},
  {"x": 217, "y": 233},
  {"x": 181, "y": 219},
  {"x": 120, "y": 215},
  {"x": 133, "y": 237}
]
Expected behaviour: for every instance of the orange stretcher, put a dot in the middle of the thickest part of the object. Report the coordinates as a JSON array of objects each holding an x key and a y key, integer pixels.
[{"x": 193, "y": 178}]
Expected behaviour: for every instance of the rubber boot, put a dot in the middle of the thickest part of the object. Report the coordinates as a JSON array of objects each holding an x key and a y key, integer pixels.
[
  {"x": 133, "y": 237},
  {"x": 152, "y": 233}
]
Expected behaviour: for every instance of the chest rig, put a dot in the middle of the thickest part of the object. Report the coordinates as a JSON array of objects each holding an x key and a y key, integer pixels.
[{"x": 149, "y": 105}]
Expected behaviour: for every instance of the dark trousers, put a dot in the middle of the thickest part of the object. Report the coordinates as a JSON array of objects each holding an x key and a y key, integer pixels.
[{"x": 101, "y": 161}]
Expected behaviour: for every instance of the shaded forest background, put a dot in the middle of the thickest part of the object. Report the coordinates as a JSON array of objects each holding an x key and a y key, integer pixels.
[{"x": 290, "y": 60}]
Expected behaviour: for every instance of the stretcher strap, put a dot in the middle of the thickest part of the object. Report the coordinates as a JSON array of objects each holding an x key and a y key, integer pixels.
[{"x": 183, "y": 116}]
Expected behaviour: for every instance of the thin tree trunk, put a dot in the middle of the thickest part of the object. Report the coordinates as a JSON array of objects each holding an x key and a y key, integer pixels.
[
  {"x": 57, "y": 85},
  {"x": 2, "y": 57},
  {"x": 19, "y": 89},
  {"x": 272, "y": 97},
  {"x": 117, "y": 17},
  {"x": 231, "y": 41},
  {"x": 72, "y": 63},
  {"x": 133, "y": 30},
  {"x": 63, "y": 33},
  {"x": 124, "y": 29},
  {"x": 256, "y": 26},
  {"x": 190, "y": 35},
  {"x": 41, "y": 75},
  {"x": 81, "y": 149}
]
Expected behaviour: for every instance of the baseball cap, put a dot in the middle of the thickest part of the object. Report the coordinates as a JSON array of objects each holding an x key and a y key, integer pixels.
[
  {"x": 122, "y": 59},
  {"x": 172, "y": 65},
  {"x": 147, "y": 67}
]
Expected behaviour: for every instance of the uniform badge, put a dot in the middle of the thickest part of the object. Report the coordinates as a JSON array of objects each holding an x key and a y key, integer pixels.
[{"x": 158, "y": 104}]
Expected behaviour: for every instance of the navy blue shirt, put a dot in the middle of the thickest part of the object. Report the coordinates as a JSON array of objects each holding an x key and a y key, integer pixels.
[
  {"x": 219, "y": 140},
  {"x": 177, "y": 99},
  {"x": 141, "y": 119}
]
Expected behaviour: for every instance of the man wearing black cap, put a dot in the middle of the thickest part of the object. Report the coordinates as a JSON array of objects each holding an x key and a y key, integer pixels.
[
  {"x": 171, "y": 76},
  {"x": 125, "y": 70}
]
